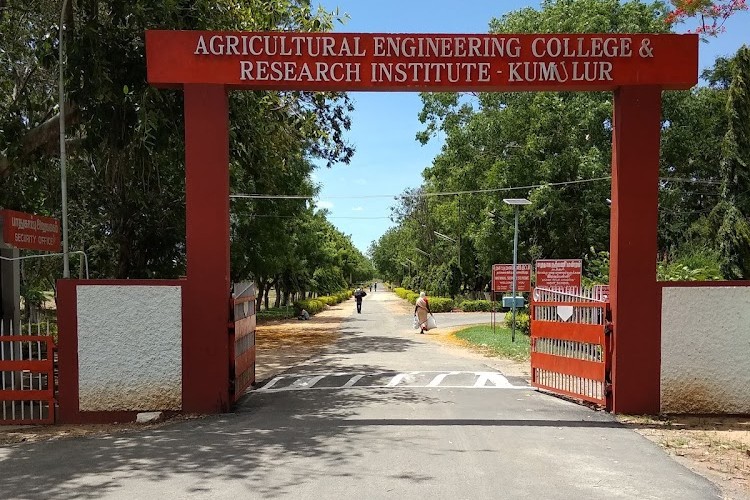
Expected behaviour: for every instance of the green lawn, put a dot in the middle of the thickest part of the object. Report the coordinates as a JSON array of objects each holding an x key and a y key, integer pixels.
[{"x": 497, "y": 342}]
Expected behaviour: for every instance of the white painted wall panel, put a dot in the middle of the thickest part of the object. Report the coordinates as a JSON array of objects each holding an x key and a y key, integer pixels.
[
  {"x": 705, "y": 338},
  {"x": 129, "y": 347}
]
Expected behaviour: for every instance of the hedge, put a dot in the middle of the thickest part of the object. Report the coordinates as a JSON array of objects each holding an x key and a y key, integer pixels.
[
  {"x": 437, "y": 304},
  {"x": 523, "y": 322},
  {"x": 476, "y": 306},
  {"x": 440, "y": 304},
  {"x": 318, "y": 304}
]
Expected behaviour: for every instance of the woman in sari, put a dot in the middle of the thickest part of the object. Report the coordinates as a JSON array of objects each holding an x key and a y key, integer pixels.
[{"x": 421, "y": 310}]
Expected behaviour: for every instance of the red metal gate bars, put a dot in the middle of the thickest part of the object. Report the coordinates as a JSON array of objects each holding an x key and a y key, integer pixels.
[
  {"x": 242, "y": 340},
  {"x": 27, "y": 384},
  {"x": 570, "y": 345}
]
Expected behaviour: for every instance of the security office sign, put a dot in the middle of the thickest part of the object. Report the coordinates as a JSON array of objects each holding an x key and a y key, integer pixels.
[{"x": 31, "y": 232}]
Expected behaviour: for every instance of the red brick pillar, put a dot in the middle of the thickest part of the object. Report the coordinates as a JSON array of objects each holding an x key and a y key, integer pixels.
[
  {"x": 205, "y": 341},
  {"x": 636, "y": 311}
]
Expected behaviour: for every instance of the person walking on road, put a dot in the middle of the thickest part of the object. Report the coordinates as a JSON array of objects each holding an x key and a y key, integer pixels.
[
  {"x": 421, "y": 310},
  {"x": 358, "y": 296}
]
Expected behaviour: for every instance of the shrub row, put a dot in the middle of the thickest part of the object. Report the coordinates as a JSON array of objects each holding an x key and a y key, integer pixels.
[
  {"x": 523, "y": 322},
  {"x": 476, "y": 306},
  {"x": 441, "y": 304},
  {"x": 316, "y": 305},
  {"x": 437, "y": 304}
]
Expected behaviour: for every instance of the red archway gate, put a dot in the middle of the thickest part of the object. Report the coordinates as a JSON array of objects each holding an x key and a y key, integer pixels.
[{"x": 636, "y": 67}]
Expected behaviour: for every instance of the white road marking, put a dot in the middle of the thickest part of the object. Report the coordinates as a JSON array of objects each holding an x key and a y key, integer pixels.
[
  {"x": 308, "y": 381},
  {"x": 436, "y": 381},
  {"x": 396, "y": 380},
  {"x": 353, "y": 380},
  {"x": 270, "y": 384}
]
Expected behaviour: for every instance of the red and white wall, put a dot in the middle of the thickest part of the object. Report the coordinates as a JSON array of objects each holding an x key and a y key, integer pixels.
[
  {"x": 120, "y": 349},
  {"x": 705, "y": 347}
]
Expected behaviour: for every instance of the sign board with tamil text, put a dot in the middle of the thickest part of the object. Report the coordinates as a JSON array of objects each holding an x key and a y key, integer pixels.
[
  {"x": 502, "y": 278},
  {"x": 30, "y": 232},
  {"x": 559, "y": 273}
]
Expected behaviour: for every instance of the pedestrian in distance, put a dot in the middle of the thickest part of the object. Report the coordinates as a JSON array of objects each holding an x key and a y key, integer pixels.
[
  {"x": 376, "y": 286},
  {"x": 421, "y": 310},
  {"x": 359, "y": 294},
  {"x": 371, "y": 287}
]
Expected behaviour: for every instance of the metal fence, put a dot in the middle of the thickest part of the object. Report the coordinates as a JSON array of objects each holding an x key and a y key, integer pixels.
[{"x": 27, "y": 379}]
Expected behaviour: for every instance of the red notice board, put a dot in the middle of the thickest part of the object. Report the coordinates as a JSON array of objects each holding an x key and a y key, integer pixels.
[
  {"x": 502, "y": 277},
  {"x": 29, "y": 231},
  {"x": 560, "y": 273}
]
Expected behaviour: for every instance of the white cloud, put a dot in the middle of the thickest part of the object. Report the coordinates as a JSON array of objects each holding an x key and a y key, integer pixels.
[
  {"x": 328, "y": 205},
  {"x": 357, "y": 209}
]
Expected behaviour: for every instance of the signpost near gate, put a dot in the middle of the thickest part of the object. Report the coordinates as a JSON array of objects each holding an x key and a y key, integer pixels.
[
  {"x": 31, "y": 232},
  {"x": 635, "y": 67},
  {"x": 19, "y": 230},
  {"x": 502, "y": 277},
  {"x": 560, "y": 274}
]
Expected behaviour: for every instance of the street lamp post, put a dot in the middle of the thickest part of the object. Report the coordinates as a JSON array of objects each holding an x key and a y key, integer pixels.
[
  {"x": 63, "y": 171},
  {"x": 515, "y": 202}
]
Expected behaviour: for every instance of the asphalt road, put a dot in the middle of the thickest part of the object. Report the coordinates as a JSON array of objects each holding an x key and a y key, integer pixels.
[{"x": 383, "y": 413}]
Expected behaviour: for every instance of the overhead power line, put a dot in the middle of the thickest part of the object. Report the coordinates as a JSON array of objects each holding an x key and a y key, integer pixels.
[{"x": 257, "y": 196}]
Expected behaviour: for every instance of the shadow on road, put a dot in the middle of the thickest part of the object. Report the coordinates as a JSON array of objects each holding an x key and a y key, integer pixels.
[{"x": 245, "y": 446}]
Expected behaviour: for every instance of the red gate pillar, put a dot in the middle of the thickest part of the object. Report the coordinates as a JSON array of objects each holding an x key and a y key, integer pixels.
[
  {"x": 205, "y": 340},
  {"x": 636, "y": 359}
]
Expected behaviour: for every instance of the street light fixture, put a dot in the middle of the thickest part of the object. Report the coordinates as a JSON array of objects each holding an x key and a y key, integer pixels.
[
  {"x": 407, "y": 266},
  {"x": 453, "y": 240},
  {"x": 515, "y": 202},
  {"x": 422, "y": 251}
]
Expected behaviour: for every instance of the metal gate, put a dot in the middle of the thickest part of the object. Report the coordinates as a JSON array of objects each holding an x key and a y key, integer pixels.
[
  {"x": 27, "y": 380},
  {"x": 242, "y": 340},
  {"x": 570, "y": 344}
]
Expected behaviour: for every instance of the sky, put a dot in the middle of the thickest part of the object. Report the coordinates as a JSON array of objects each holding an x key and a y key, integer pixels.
[{"x": 388, "y": 159}]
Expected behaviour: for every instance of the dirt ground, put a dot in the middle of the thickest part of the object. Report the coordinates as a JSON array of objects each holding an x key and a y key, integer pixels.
[{"x": 716, "y": 447}]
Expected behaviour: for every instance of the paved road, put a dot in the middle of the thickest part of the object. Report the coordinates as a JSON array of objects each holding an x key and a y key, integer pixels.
[{"x": 384, "y": 413}]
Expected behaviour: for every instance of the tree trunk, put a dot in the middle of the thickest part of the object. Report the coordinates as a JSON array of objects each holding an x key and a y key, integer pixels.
[
  {"x": 277, "y": 302},
  {"x": 261, "y": 292}
]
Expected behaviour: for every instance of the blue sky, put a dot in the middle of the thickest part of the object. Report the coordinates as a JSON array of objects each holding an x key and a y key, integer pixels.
[{"x": 388, "y": 159}]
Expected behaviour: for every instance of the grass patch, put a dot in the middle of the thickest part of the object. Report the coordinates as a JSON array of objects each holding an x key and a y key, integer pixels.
[
  {"x": 275, "y": 313},
  {"x": 498, "y": 342}
]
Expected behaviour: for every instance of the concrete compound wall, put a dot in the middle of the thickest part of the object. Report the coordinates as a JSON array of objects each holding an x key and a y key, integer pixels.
[
  {"x": 129, "y": 348},
  {"x": 705, "y": 355}
]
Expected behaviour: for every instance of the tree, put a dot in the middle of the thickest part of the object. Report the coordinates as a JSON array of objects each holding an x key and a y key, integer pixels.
[
  {"x": 709, "y": 14},
  {"x": 535, "y": 144},
  {"x": 734, "y": 233},
  {"x": 126, "y": 174}
]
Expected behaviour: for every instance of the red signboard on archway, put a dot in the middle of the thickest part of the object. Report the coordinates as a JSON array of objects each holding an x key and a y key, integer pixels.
[
  {"x": 420, "y": 62},
  {"x": 635, "y": 67}
]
